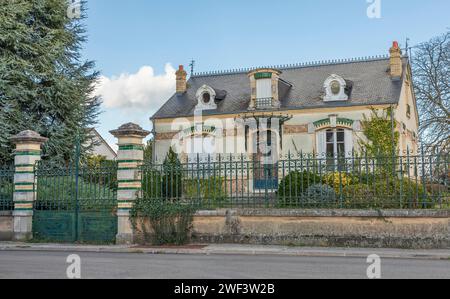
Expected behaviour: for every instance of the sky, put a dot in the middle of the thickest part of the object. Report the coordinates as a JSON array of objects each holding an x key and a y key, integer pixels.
[{"x": 138, "y": 44}]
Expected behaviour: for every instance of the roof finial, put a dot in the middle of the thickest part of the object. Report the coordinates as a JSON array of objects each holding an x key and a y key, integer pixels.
[{"x": 192, "y": 65}]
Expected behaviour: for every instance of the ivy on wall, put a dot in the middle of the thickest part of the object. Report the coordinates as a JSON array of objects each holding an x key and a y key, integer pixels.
[{"x": 377, "y": 128}]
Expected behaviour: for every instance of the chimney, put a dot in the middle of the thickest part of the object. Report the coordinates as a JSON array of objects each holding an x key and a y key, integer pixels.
[
  {"x": 395, "y": 63},
  {"x": 181, "y": 80}
]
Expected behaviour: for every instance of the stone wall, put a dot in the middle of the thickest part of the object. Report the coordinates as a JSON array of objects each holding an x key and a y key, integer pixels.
[
  {"x": 6, "y": 225},
  {"x": 341, "y": 228}
]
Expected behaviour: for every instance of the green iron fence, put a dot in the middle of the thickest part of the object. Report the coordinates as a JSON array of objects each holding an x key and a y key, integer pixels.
[
  {"x": 76, "y": 203},
  {"x": 410, "y": 181},
  {"x": 6, "y": 187}
]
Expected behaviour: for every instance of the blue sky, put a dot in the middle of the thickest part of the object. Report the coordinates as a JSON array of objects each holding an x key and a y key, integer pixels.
[{"x": 137, "y": 44}]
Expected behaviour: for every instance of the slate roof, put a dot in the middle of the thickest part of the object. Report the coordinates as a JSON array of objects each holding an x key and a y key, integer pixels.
[{"x": 370, "y": 80}]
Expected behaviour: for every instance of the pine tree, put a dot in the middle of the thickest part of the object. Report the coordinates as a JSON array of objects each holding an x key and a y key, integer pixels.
[{"x": 44, "y": 84}]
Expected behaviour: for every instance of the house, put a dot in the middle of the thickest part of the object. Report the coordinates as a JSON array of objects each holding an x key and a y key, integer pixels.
[
  {"x": 100, "y": 147},
  {"x": 271, "y": 111}
]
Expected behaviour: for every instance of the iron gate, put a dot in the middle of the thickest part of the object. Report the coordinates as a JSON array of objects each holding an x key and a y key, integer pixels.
[{"x": 76, "y": 203}]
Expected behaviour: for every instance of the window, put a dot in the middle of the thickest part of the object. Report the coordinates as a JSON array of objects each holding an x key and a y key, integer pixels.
[
  {"x": 200, "y": 146},
  {"x": 206, "y": 97},
  {"x": 335, "y": 145},
  {"x": 335, "y": 89},
  {"x": 263, "y": 88},
  {"x": 408, "y": 111}
]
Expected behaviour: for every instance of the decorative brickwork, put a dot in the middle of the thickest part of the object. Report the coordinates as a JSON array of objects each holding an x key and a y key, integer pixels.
[
  {"x": 165, "y": 136},
  {"x": 295, "y": 129}
]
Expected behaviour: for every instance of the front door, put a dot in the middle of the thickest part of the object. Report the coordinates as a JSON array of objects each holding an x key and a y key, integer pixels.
[{"x": 265, "y": 163}]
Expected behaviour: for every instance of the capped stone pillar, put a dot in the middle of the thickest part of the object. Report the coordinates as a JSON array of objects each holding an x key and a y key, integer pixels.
[
  {"x": 28, "y": 152},
  {"x": 129, "y": 157}
]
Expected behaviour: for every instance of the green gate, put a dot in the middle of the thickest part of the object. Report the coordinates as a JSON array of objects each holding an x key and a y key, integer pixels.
[{"x": 76, "y": 203}]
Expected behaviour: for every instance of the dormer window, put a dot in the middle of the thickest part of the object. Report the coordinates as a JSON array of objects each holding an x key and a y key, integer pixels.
[
  {"x": 264, "y": 87},
  {"x": 206, "y": 97},
  {"x": 335, "y": 87}
]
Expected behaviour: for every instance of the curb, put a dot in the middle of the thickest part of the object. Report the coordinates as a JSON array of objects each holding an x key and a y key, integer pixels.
[{"x": 349, "y": 253}]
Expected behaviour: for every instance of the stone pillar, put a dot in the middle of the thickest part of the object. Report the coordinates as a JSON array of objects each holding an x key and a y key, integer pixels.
[
  {"x": 28, "y": 152},
  {"x": 129, "y": 157}
]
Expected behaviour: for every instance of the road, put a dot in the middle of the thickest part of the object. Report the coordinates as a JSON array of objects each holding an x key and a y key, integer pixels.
[{"x": 30, "y": 264}]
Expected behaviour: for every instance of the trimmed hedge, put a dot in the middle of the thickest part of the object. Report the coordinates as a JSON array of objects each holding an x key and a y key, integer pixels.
[
  {"x": 293, "y": 186},
  {"x": 387, "y": 194},
  {"x": 210, "y": 191}
]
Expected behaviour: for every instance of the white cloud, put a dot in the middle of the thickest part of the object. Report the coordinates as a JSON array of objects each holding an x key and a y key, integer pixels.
[{"x": 143, "y": 91}]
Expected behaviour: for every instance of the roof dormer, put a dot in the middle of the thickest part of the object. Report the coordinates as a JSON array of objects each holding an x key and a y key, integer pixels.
[
  {"x": 206, "y": 97},
  {"x": 335, "y": 89},
  {"x": 264, "y": 87}
]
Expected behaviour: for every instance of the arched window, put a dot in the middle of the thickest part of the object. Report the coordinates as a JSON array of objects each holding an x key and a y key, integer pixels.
[
  {"x": 200, "y": 146},
  {"x": 335, "y": 144}
]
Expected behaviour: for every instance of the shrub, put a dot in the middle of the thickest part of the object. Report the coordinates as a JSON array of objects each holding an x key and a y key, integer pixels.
[
  {"x": 6, "y": 195},
  {"x": 365, "y": 178},
  {"x": 161, "y": 222},
  {"x": 152, "y": 184},
  {"x": 210, "y": 191},
  {"x": 359, "y": 196},
  {"x": 320, "y": 196},
  {"x": 293, "y": 186},
  {"x": 437, "y": 188},
  {"x": 172, "y": 176},
  {"x": 401, "y": 193},
  {"x": 388, "y": 193},
  {"x": 336, "y": 179},
  {"x": 98, "y": 170}
]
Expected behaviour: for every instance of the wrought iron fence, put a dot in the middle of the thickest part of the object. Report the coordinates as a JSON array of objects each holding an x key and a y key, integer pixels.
[
  {"x": 6, "y": 187},
  {"x": 82, "y": 187},
  {"x": 410, "y": 181},
  {"x": 75, "y": 203}
]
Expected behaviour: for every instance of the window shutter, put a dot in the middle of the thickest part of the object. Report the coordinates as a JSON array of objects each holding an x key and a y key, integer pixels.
[
  {"x": 348, "y": 143},
  {"x": 321, "y": 143},
  {"x": 264, "y": 88}
]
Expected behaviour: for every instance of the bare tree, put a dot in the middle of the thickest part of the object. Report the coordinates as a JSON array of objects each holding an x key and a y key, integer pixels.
[{"x": 431, "y": 72}]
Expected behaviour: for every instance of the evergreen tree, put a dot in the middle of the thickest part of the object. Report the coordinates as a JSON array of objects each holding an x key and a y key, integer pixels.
[
  {"x": 172, "y": 177},
  {"x": 44, "y": 84},
  {"x": 148, "y": 151}
]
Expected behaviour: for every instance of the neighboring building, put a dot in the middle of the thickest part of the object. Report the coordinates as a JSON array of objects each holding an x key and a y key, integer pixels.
[
  {"x": 308, "y": 108},
  {"x": 100, "y": 147}
]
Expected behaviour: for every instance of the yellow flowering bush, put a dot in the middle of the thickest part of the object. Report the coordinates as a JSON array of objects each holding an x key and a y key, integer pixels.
[{"x": 335, "y": 179}]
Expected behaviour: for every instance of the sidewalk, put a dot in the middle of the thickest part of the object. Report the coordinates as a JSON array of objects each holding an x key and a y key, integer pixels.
[{"x": 233, "y": 249}]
